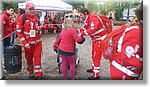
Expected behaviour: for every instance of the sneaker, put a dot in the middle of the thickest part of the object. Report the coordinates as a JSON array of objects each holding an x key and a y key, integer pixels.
[
  {"x": 55, "y": 31},
  {"x": 89, "y": 70},
  {"x": 92, "y": 78}
]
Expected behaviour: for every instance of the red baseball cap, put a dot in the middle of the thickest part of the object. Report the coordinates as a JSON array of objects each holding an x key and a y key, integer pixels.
[{"x": 29, "y": 5}]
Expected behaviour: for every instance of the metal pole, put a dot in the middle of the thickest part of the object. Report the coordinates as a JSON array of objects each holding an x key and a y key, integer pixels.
[
  {"x": 1, "y": 51},
  {"x": 85, "y": 3},
  {"x": 98, "y": 5},
  {"x": 1, "y": 55},
  {"x": 128, "y": 13},
  {"x": 1, "y": 70}
]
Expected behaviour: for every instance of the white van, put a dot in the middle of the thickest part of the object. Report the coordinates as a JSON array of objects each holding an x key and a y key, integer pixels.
[{"x": 131, "y": 14}]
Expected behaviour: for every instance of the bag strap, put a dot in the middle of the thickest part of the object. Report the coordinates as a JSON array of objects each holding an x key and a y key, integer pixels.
[
  {"x": 120, "y": 41},
  {"x": 101, "y": 21},
  {"x": 24, "y": 18}
]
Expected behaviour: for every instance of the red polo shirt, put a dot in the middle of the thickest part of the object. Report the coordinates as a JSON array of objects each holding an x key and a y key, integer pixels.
[{"x": 7, "y": 29}]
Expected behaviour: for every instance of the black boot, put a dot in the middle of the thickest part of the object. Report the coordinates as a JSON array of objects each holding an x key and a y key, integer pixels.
[
  {"x": 38, "y": 78},
  {"x": 89, "y": 70},
  {"x": 92, "y": 78}
]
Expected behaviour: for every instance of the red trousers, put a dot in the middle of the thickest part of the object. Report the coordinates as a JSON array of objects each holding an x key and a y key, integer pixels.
[
  {"x": 45, "y": 27},
  {"x": 33, "y": 57},
  {"x": 71, "y": 61},
  {"x": 116, "y": 74},
  {"x": 96, "y": 57}
]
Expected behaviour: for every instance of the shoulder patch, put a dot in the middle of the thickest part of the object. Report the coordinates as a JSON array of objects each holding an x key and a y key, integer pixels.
[
  {"x": 130, "y": 51},
  {"x": 4, "y": 22}
]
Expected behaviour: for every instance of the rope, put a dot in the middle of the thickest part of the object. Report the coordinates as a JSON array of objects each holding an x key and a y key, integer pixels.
[
  {"x": 53, "y": 24},
  {"x": 15, "y": 31},
  {"x": 6, "y": 36}
]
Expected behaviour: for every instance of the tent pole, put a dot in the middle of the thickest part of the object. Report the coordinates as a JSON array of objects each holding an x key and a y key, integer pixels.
[
  {"x": 1, "y": 55},
  {"x": 1, "y": 71}
]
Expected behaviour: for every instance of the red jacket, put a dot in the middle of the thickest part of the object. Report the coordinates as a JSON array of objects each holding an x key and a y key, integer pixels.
[
  {"x": 66, "y": 40},
  {"x": 24, "y": 30},
  {"x": 93, "y": 26},
  {"x": 6, "y": 24},
  {"x": 13, "y": 25},
  {"x": 45, "y": 24},
  {"x": 130, "y": 51},
  {"x": 79, "y": 20}
]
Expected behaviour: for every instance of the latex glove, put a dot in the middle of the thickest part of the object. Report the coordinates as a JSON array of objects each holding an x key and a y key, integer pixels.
[
  {"x": 27, "y": 46},
  {"x": 79, "y": 32}
]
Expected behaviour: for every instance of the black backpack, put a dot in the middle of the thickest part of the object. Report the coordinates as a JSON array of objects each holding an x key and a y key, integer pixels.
[{"x": 25, "y": 17}]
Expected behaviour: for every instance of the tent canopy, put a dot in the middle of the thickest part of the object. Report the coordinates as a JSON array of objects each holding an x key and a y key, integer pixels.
[{"x": 48, "y": 5}]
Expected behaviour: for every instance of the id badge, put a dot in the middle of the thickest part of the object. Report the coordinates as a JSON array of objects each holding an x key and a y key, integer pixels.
[{"x": 32, "y": 33}]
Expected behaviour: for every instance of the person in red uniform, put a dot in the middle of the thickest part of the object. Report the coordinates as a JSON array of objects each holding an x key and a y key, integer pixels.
[
  {"x": 54, "y": 24},
  {"x": 20, "y": 12},
  {"x": 13, "y": 22},
  {"x": 46, "y": 24},
  {"x": 65, "y": 44},
  {"x": 7, "y": 29},
  {"x": 13, "y": 25},
  {"x": 62, "y": 21},
  {"x": 31, "y": 41},
  {"x": 79, "y": 20},
  {"x": 93, "y": 27},
  {"x": 128, "y": 64}
]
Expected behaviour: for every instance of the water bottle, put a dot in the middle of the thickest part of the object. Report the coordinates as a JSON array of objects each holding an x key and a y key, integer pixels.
[
  {"x": 111, "y": 41},
  {"x": 109, "y": 51}
]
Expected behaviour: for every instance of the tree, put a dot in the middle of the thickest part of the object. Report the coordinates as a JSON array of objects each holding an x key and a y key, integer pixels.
[
  {"x": 10, "y": 3},
  {"x": 106, "y": 6},
  {"x": 75, "y": 3}
]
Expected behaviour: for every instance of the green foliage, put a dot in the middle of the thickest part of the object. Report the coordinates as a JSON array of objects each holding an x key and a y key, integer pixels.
[
  {"x": 75, "y": 3},
  {"x": 100, "y": 6},
  {"x": 9, "y": 3},
  {"x": 92, "y": 7},
  {"x": 106, "y": 6}
]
